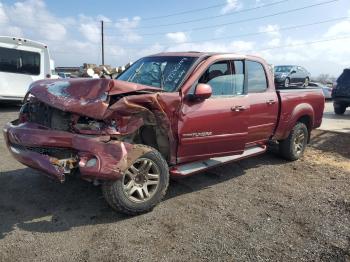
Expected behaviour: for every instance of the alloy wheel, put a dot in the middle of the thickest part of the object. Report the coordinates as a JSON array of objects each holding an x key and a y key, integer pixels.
[
  {"x": 299, "y": 142},
  {"x": 141, "y": 180}
]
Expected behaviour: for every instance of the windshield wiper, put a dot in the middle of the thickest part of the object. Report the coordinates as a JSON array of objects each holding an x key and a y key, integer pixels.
[
  {"x": 136, "y": 73},
  {"x": 161, "y": 76}
]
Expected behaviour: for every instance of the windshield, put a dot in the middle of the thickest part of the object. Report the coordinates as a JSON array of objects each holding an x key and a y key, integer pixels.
[
  {"x": 165, "y": 72},
  {"x": 283, "y": 69}
]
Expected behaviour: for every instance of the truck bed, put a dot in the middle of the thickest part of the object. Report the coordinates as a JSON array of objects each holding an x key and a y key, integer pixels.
[{"x": 298, "y": 104}]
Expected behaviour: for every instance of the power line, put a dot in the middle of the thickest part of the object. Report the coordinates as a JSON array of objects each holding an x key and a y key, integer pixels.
[
  {"x": 242, "y": 35},
  {"x": 221, "y": 38},
  {"x": 230, "y": 23},
  {"x": 246, "y": 20},
  {"x": 257, "y": 33},
  {"x": 216, "y": 16},
  {"x": 306, "y": 43},
  {"x": 145, "y": 18},
  {"x": 163, "y": 25},
  {"x": 184, "y": 12},
  {"x": 262, "y": 49}
]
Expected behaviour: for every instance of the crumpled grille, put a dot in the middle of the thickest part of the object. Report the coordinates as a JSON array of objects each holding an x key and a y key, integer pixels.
[
  {"x": 50, "y": 117},
  {"x": 50, "y": 151}
]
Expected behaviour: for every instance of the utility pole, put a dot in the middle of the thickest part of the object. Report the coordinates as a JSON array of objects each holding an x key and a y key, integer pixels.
[{"x": 103, "y": 45}]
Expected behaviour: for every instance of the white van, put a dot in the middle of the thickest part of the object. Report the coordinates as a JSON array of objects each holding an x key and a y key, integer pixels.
[{"x": 22, "y": 62}]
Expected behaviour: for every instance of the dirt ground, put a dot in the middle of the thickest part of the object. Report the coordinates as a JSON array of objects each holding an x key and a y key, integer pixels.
[{"x": 259, "y": 209}]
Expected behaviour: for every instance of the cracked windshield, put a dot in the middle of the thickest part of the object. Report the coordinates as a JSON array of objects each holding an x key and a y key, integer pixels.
[{"x": 163, "y": 72}]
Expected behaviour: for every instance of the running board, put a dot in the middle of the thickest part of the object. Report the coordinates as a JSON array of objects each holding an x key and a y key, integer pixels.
[{"x": 195, "y": 167}]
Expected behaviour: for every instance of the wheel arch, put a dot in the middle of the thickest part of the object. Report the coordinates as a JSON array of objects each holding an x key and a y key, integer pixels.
[
  {"x": 155, "y": 137},
  {"x": 307, "y": 120},
  {"x": 303, "y": 113}
]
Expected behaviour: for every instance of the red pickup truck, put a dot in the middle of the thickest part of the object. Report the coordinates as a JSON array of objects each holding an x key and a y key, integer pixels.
[{"x": 168, "y": 115}]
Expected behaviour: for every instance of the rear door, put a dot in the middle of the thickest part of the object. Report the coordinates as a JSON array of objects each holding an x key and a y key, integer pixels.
[
  {"x": 216, "y": 126},
  {"x": 263, "y": 104}
]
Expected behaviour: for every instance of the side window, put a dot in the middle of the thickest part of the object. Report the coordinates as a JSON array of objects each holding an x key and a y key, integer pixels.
[
  {"x": 30, "y": 63},
  {"x": 257, "y": 81},
  {"x": 223, "y": 80},
  {"x": 9, "y": 60},
  {"x": 217, "y": 76},
  {"x": 19, "y": 61}
]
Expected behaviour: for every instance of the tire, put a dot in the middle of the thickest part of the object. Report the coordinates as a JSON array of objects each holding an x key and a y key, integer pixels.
[
  {"x": 286, "y": 83},
  {"x": 339, "y": 109},
  {"x": 293, "y": 147},
  {"x": 132, "y": 203},
  {"x": 306, "y": 82}
]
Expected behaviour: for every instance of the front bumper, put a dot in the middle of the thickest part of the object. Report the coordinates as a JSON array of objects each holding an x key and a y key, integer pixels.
[{"x": 97, "y": 157}]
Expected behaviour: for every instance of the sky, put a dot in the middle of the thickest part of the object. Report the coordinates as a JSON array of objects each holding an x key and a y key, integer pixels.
[{"x": 311, "y": 33}]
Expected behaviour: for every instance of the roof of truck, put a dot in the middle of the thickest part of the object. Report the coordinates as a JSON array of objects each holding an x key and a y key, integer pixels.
[{"x": 200, "y": 54}]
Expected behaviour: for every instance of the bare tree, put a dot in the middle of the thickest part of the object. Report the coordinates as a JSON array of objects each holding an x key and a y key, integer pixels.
[{"x": 323, "y": 78}]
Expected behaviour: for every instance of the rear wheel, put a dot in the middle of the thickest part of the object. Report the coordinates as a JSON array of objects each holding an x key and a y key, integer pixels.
[
  {"x": 339, "y": 109},
  {"x": 287, "y": 82},
  {"x": 142, "y": 186},
  {"x": 293, "y": 147}
]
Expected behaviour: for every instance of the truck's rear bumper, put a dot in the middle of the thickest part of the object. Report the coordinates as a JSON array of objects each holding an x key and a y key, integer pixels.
[
  {"x": 97, "y": 157},
  {"x": 342, "y": 100}
]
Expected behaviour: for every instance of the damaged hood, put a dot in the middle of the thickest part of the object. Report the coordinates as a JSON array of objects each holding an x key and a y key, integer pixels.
[{"x": 84, "y": 96}]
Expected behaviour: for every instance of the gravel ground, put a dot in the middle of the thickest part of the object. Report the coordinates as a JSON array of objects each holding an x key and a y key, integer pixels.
[{"x": 260, "y": 209}]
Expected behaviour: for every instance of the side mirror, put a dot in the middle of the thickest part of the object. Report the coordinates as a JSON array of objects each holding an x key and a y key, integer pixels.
[
  {"x": 293, "y": 72},
  {"x": 203, "y": 91}
]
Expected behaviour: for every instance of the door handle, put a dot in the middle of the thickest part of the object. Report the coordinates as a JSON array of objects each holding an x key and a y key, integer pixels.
[
  {"x": 238, "y": 108},
  {"x": 270, "y": 102}
]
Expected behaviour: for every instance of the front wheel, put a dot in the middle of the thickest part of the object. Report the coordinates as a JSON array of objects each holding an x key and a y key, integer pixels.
[
  {"x": 293, "y": 147},
  {"x": 287, "y": 82},
  {"x": 142, "y": 186}
]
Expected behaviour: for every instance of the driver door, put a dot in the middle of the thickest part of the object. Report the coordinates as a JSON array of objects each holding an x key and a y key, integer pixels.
[{"x": 216, "y": 126}]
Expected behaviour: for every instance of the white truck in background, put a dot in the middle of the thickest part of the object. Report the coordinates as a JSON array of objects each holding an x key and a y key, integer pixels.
[{"x": 22, "y": 62}]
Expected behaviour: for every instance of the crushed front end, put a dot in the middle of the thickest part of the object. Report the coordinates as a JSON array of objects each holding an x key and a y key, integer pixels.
[
  {"x": 49, "y": 138},
  {"x": 58, "y": 151}
]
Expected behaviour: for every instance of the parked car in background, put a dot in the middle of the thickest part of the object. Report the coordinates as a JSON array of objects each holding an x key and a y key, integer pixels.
[
  {"x": 170, "y": 114},
  {"x": 287, "y": 75},
  {"x": 341, "y": 92},
  {"x": 64, "y": 75},
  {"x": 22, "y": 62},
  {"x": 327, "y": 90}
]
